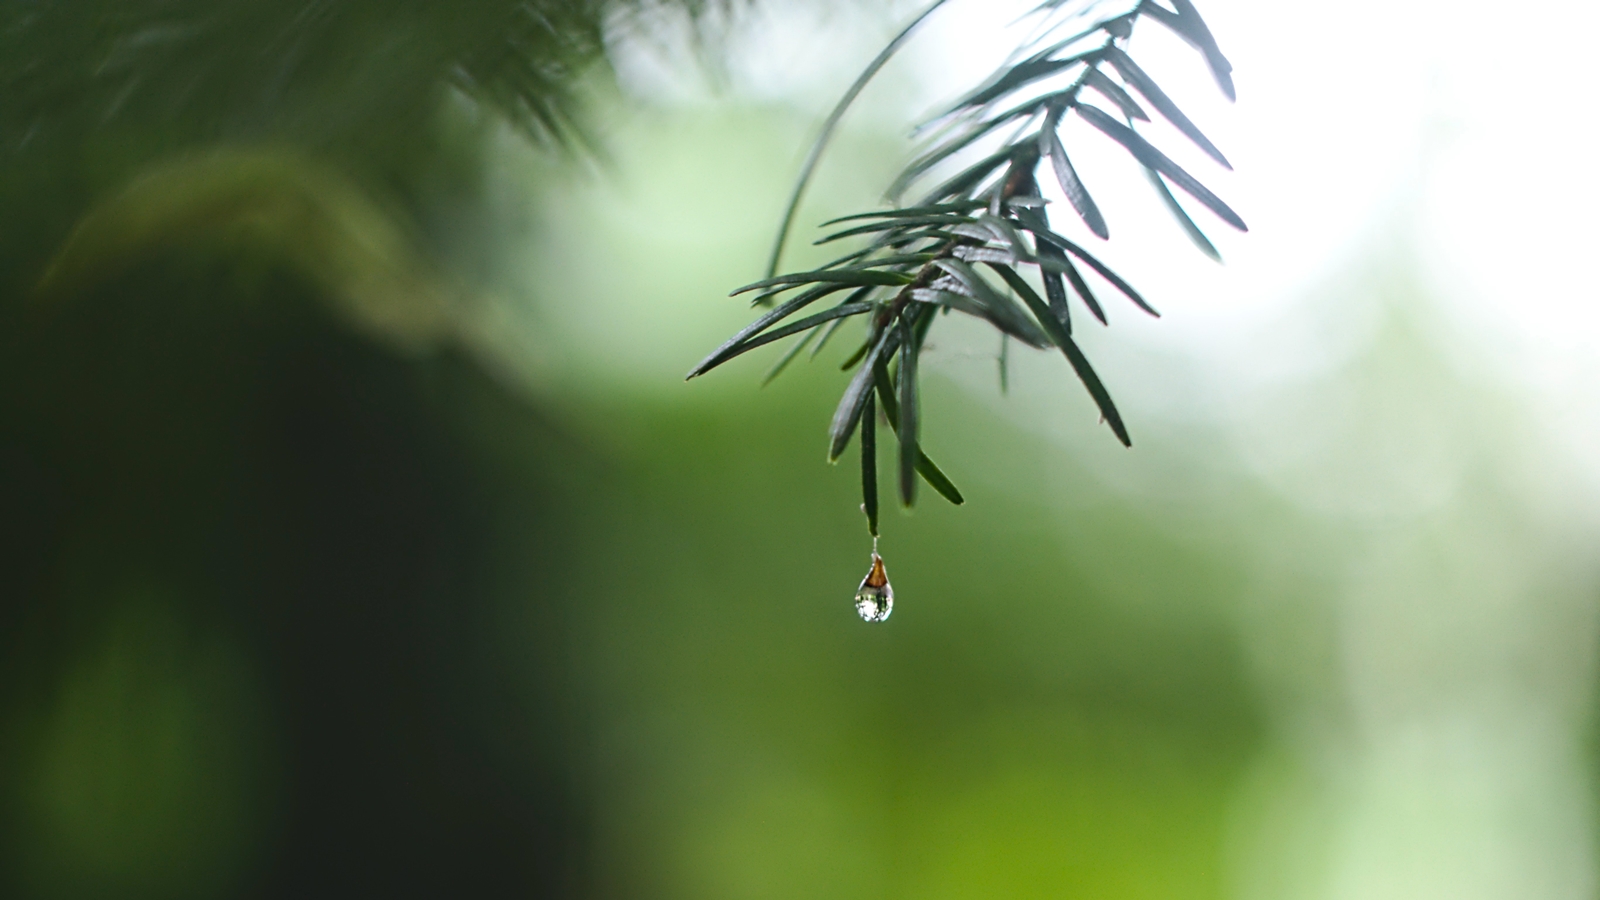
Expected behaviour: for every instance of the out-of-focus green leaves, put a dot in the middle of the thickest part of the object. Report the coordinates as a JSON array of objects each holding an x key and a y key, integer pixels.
[
  {"x": 343, "y": 142},
  {"x": 1050, "y": 712},
  {"x": 239, "y": 69},
  {"x": 146, "y": 776},
  {"x": 271, "y": 204}
]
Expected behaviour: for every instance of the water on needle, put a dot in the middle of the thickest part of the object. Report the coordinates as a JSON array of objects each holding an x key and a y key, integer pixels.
[{"x": 875, "y": 597}]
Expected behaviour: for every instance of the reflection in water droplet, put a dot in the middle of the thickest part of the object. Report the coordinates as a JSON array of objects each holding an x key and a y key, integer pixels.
[{"x": 875, "y": 597}]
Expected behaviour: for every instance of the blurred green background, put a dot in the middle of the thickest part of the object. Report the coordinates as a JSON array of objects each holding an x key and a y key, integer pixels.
[{"x": 358, "y": 535}]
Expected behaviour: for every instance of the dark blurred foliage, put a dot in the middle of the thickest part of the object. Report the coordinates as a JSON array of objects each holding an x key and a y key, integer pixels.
[
  {"x": 197, "y": 424},
  {"x": 348, "y": 73},
  {"x": 274, "y": 477},
  {"x": 94, "y": 91}
]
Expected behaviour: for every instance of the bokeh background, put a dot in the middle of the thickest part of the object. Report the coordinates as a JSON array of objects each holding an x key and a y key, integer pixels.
[{"x": 359, "y": 536}]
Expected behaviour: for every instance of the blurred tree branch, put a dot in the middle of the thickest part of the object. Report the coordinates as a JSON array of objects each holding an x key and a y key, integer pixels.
[{"x": 316, "y": 133}]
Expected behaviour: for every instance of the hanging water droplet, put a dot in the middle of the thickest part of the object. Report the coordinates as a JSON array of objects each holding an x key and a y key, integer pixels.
[{"x": 875, "y": 597}]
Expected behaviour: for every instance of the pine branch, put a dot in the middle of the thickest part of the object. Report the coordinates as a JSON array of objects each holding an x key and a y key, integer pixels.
[{"x": 924, "y": 258}]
